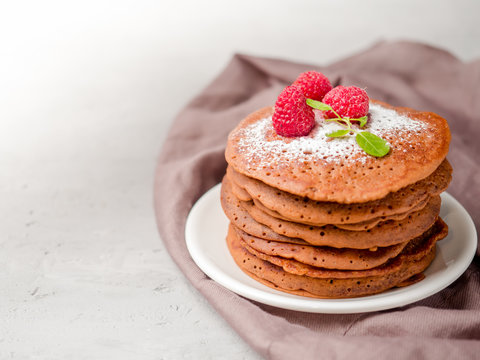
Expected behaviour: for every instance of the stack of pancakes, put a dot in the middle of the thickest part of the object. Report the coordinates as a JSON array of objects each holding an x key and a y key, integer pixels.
[{"x": 319, "y": 217}]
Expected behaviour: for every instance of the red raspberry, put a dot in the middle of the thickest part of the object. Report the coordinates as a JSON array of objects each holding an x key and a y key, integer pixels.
[
  {"x": 313, "y": 84},
  {"x": 292, "y": 116},
  {"x": 350, "y": 101}
]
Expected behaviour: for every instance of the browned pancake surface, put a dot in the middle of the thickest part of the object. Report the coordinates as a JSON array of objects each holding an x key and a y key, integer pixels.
[
  {"x": 254, "y": 222},
  {"x": 323, "y": 256},
  {"x": 360, "y": 226},
  {"x": 417, "y": 248},
  {"x": 307, "y": 167},
  {"x": 242, "y": 219},
  {"x": 274, "y": 276},
  {"x": 304, "y": 210}
]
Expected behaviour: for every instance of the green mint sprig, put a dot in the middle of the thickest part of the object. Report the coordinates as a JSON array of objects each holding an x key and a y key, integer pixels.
[{"x": 370, "y": 143}]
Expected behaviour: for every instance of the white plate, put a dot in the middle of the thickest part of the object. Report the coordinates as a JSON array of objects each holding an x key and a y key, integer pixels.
[{"x": 205, "y": 233}]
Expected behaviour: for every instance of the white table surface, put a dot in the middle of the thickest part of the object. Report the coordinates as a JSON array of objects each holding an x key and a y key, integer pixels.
[{"x": 87, "y": 93}]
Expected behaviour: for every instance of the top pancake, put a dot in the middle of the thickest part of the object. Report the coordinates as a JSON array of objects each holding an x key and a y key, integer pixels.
[{"x": 325, "y": 169}]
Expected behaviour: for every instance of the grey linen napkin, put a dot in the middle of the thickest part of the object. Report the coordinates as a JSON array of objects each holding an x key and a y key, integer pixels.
[{"x": 443, "y": 326}]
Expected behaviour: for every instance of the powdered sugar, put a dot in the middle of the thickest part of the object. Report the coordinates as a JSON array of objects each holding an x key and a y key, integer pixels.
[{"x": 256, "y": 140}]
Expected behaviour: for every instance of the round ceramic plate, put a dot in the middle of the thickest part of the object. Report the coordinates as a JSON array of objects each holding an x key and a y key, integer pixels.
[{"x": 206, "y": 230}]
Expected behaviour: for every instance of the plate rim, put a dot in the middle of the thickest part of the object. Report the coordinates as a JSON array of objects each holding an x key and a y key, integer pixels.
[{"x": 272, "y": 297}]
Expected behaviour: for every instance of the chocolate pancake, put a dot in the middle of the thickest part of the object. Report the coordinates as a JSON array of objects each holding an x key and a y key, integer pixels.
[
  {"x": 323, "y": 256},
  {"x": 329, "y": 235},
  {"x": 337, "y": 170},
  {"x": 239, "y": 217},
  {"x": 304, "y": 210},
  {"x": 360, "y": 226},
  {"x": 414, "y": 259},
  {"x": 240, "y": 193},
  {"x": 254, "y": 222},
  {"x": 436, "y": 232}
]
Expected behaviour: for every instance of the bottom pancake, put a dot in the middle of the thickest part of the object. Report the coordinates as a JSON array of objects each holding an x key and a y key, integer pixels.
[{"x": 415, "y": 259}]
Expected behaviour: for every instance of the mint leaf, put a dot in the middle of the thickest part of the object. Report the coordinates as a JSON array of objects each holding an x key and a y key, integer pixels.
[
  {"x": 318, "y": 105},
  {"x": 372, "y": 144},
  {"x": 363, "y": 120},
  {"x": 338, "y": 133}
]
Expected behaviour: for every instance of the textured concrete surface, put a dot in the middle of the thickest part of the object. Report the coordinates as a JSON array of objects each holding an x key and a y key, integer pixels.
[{"x": 87, "y": 93}]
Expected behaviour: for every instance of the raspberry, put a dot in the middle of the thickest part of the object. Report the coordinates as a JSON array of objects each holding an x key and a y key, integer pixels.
[
  {"x": 292, "y": 116},
  {"x": 313, "y": 84},
  {"x": 351, "y": 102}
]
